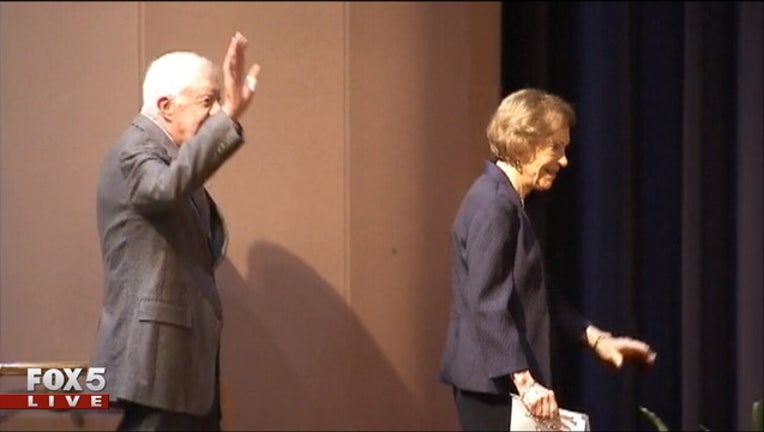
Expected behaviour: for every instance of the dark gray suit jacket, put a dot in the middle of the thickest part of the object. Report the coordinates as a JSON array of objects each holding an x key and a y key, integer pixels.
[
  {"x": 161, "y": 238},
  {"x": 501, "y": 310}
]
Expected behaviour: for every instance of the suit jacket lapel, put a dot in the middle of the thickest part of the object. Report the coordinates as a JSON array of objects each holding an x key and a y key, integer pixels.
[
  {"x": 202, "y": 208},
  {"x": 218, "y": 237}
]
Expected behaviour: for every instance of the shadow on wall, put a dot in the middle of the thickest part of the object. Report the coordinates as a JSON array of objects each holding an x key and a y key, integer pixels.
[{"x": 294, "y": 356}]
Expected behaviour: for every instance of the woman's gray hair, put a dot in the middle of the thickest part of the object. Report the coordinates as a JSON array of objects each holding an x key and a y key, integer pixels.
[
  {"x": 171, "y": 74},
  {"x": 523, "y": 120}
]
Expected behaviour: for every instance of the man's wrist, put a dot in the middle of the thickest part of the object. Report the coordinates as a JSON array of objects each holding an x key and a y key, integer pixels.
[{"x": 229, "y": 112}]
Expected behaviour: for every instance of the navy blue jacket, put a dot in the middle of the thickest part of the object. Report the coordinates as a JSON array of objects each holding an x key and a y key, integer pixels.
[{"x": 502, "y": 311}]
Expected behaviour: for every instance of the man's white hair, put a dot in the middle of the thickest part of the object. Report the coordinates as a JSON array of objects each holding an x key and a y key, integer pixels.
[{"x": 171, "y": 74}]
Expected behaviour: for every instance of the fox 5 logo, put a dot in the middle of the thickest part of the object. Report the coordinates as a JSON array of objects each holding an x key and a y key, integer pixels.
[{"x": 66, "y": 379}]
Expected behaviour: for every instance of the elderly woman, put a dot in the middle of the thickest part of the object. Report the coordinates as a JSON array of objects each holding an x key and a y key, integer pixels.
[{"x": 499, "y": 335}]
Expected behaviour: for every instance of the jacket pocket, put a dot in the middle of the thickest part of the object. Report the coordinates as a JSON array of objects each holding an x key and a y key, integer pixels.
[{"x": 164, "y": 312}]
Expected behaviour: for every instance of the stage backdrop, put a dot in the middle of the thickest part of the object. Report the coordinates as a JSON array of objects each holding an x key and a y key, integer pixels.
[{"x": 655, "y": 228}]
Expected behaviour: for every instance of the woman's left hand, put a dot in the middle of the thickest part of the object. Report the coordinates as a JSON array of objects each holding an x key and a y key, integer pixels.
[{"x": 614, "y": 350}]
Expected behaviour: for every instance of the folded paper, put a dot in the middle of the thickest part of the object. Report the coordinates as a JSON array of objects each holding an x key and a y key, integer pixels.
[{"x": 522, "y": 420}]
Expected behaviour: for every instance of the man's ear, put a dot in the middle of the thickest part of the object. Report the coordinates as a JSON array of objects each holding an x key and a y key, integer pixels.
[{"x": 166, "y": 107}]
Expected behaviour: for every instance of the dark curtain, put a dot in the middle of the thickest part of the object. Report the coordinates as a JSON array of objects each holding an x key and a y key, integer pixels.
[{"x": 655, "y": 228}]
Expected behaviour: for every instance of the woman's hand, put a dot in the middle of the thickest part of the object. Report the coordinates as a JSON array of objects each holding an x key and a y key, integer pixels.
[
  {"x": 540, "y": 401},
  {"x": 614, "y": 350}
]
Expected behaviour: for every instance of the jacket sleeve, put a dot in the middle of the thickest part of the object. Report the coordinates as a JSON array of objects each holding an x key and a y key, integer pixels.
[
  {"x": 570, "y": 322},
  {"x": 154, "y": 185},
  {"x": 490, "y": 250}
]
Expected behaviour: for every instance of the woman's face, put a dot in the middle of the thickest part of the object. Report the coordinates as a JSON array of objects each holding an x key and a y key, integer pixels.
[{"x": 548, "y": 159}]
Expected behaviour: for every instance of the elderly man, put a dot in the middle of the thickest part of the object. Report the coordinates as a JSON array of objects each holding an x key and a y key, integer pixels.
[{"x": 161, "y": 238}]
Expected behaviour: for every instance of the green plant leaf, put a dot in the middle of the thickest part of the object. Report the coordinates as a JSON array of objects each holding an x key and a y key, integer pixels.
[
  {"x": 654, "y": 419},
  {"x": 757, "y": 420}
]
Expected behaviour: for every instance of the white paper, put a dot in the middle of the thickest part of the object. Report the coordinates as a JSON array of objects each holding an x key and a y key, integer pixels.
[{"x": 522, "y": 420}]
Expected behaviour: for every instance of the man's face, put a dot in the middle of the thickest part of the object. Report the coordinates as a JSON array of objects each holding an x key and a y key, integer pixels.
[
  {"x": 548, "y": 159},
  {"x": 191, "y": 108}
]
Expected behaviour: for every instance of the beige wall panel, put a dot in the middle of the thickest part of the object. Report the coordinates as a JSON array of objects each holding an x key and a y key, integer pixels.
[
  {"x": 68, "y": 80},
  {"x": 423, "y": 80}
]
